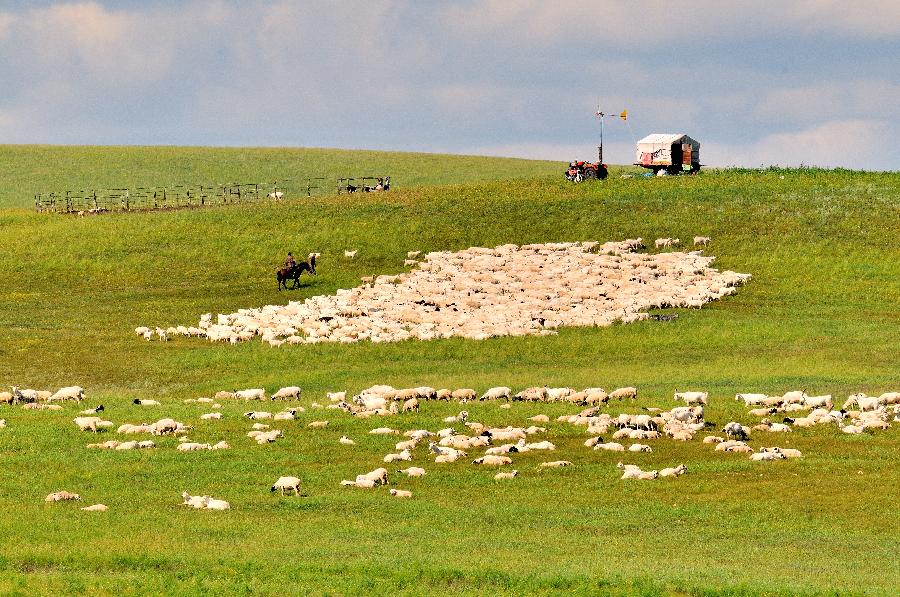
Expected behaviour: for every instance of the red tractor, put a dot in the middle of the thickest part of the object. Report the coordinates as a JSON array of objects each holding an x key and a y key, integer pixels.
[{"x": 580, "y": 170}]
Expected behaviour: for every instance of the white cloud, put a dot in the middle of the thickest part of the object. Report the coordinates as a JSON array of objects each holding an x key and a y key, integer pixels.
[
  {"x": 860, "y": 144},
  {"x": 5, "y": 22},
  {"x": 86, "y": 39},
  {"x": 836, "y": 99}
]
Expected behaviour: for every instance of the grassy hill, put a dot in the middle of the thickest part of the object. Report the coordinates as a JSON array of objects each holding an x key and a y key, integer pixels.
[{"x": 820, "y": 314}]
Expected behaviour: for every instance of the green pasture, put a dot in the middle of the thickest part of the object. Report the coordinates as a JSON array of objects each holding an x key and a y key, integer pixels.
[{"x": 820, "y": 314}]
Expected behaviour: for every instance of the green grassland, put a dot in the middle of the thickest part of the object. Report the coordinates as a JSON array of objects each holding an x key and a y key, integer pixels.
[{"x": 820, "y": 314}]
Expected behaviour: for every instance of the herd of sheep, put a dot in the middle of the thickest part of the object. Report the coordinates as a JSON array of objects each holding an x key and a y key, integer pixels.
[
  {"x": 481, "y": 293},
  {"x": 466, "y": 440}
]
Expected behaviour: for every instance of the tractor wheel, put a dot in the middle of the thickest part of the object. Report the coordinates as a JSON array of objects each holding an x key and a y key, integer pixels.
[
  {"x": 602, "y": 172},
  {"x": 589, "y": 173}
]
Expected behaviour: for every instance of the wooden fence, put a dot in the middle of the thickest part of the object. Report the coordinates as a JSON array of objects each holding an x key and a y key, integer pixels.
[{"x": 184, "y": 196}]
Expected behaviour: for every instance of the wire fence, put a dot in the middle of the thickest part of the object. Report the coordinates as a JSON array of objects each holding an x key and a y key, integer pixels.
[{"x": 94, "y": 201}]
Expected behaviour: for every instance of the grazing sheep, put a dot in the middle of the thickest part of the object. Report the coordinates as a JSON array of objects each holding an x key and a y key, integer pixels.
[
  {"x": 496, "y": 393},
  {"x": 336, "y": 396},
  {"x": 413, "y": 471},
  {"x": 91, "y": 423},
  {"x": 62, "y": 496},
  {"x": 751, "y": 399},
  {"x": 287, "y": 483},
  {"x": 400, "y": 493},
  {"x": 411, "y": 405},
  {"x": 691, "y": 398},
  {"x": 75, "y": 393},
  {"x": 701, "y": 241},
  {"x": 737, "y": 430},
  {"x": 350, "y": 254},
  {"x": 287, "y": 393},
  {"x": 506, "y": 475},
  {"x": 622, "y": 393}
]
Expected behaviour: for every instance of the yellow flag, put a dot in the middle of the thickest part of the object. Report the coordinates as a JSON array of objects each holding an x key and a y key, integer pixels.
[{"x": 624, "y": 115}]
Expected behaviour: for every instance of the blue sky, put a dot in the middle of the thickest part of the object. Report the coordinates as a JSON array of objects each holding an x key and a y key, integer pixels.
[{"x": 813, "y": 82}]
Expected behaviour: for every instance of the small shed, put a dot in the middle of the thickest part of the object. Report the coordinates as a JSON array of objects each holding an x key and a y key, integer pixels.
[{"x": 674, "y": 152}]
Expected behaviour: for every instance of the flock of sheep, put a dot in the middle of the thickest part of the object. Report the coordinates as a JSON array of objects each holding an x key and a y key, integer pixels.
[
  {"x": 480, "y": 293},
  {"x": 491, "y": 446}
]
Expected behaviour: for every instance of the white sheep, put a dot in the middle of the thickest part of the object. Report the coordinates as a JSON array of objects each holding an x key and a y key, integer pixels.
[
  {"x": 496, "y": 393},
  {"x": 691, "y": 398},
  {"x": 673, "y": 472},
  {"x": 146, "y": 402},
  {"x": 214, "y": 504},
  {"x": 405, "y": 455},
  {"x": 701, "y": 241},
  {"x": 75, "y": 393},
  {"x": 555, "y": 464},
  {"x": 287, "y": 483},
  {"x": 506, "y": 475},
  {"x": 401, "y": 493},
  {"x": 413, "y": 471},
  {"x": 210, "y": 416},
  {"x": 347, "y": 441},
  {"x": 493, "y": 460},
  {"x": 252, "y": 394},
  {"x": 610, "y": 447},
  {"x": 96, "y": 508},
  {"x": 286, "y": 393},
  {"x": 639, "y": 448}
]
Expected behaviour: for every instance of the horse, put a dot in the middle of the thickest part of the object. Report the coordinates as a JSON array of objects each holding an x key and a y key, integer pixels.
[{"x": 293, "y": 273}]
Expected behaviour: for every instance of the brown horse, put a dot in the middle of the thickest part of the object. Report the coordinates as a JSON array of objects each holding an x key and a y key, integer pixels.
[{"x": 293, "y": 273}]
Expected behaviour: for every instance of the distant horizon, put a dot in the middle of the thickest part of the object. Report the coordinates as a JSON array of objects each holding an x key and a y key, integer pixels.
[
  {"x": 788, "y": 84},
  {"x": 437, "y": 153}
]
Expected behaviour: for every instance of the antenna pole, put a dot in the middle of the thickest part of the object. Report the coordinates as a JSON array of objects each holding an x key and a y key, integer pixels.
[{"x": 600, "y": 148}]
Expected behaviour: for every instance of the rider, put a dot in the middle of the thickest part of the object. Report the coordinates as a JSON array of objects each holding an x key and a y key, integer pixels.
[{"x": 289, "y": 262}]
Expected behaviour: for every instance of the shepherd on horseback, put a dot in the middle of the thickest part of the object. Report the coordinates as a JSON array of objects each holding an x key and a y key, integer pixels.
[{"x": 292, "y": 270}]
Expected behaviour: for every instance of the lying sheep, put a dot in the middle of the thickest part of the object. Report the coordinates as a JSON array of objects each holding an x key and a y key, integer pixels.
[
  {"x": 400, "y": 493},
  {"x": 318, "y": 424},
  {"x": 673, "y": 472},
  {"x": 210, "y": 416},
  {"x": 96, "y": 508},
  {"x": 493, "y": 460},
  {"x": 767, "y": 456},
  {"x": 147, "y": 402},
  {"x": 610, "y": 447},
  {"x": 639, "y": 448},
  {"x": 404, "y": 455},
  {"x": 555, "y": 464},
  {"x": 287, "y": 483},
  {"x": 413, "y": 471},
  {"x": 255, "y": 415},
  {"x": 252, "y": 394},
  {"x": 506, "y": 475},
  {"x": 379, "y": 476},
  {"x": 62, "y": 496},
  {"x": 636, "y": 473}
]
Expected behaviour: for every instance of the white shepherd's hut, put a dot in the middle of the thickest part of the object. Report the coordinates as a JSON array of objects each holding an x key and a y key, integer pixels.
[{"x": 673, "y": 153}]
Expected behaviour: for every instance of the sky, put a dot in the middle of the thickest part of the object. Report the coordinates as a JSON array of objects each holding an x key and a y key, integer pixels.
[{"x": 802, "y": 82}]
